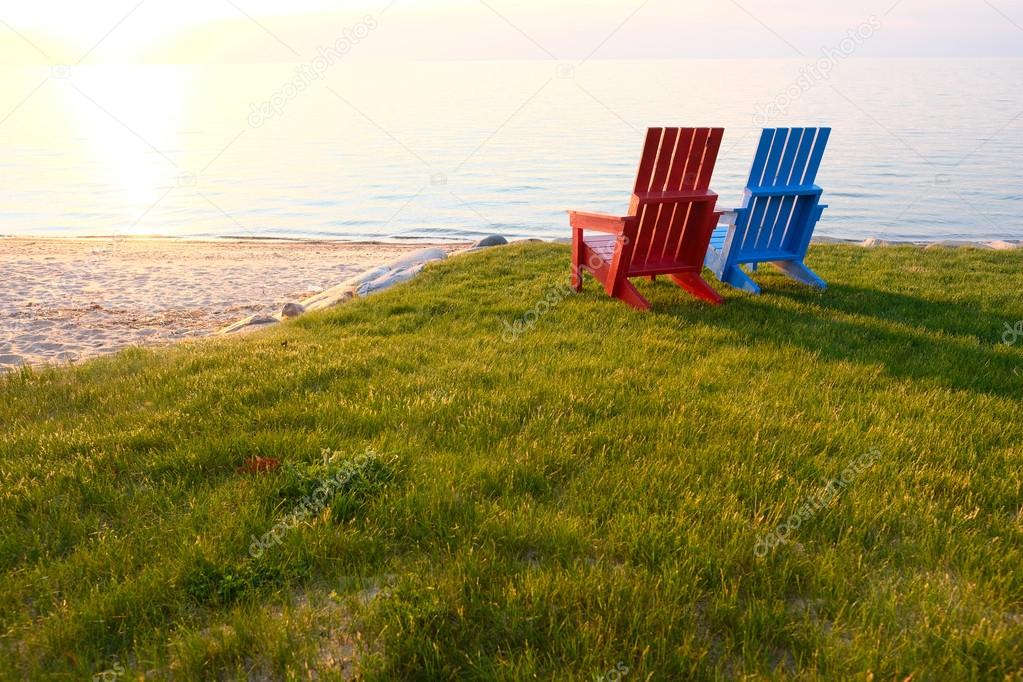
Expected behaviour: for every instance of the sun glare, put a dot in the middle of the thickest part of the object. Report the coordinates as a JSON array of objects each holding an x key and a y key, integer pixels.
[{"x": 129, "y": 124}]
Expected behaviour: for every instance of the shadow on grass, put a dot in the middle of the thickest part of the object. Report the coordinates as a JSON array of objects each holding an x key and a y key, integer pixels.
[
  {"x": 947, "y": 345},
  {"x": 940, "y": 317}
]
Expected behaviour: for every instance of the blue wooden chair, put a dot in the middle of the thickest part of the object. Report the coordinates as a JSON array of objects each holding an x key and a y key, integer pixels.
[{"x": 780, "y": 208}]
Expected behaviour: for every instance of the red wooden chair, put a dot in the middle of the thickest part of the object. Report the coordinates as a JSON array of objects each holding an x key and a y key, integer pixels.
[{"x": 670, "y": 221}]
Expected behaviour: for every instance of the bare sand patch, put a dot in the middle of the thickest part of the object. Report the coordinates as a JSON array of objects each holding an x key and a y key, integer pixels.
[{"x": 70, "y": 299}]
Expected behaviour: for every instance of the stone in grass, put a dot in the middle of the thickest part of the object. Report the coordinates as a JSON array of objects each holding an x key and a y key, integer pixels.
[
  {"x": 492, "y": 240},
  {"x": 292, "y": 309},
  {"x": 250, "y": 322},
  {"x": 874, "y": 242}
]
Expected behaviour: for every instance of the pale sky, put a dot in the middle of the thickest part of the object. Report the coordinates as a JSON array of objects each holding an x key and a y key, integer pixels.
[{"x": 226, "y": 31}]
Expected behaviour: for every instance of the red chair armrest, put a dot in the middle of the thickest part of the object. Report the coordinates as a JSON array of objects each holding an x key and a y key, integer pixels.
[{"x": 597, "y": 221}]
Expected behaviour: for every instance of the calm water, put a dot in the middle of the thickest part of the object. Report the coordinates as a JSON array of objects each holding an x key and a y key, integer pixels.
[{"x": 926, "y": 149}]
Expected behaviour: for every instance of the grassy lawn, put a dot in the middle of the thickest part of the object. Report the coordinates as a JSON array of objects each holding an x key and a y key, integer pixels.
[{"x": 598, "y": 496}]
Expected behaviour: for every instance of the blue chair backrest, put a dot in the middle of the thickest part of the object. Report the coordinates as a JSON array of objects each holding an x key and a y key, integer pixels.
[{"x": 780, "y": 207}]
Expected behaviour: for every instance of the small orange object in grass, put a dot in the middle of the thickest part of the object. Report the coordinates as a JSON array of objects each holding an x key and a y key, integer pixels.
[{"x": 256, "y": 465}]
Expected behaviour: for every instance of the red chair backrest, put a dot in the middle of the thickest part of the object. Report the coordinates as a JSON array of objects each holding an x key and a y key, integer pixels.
[{"x": 672, "y": 198}]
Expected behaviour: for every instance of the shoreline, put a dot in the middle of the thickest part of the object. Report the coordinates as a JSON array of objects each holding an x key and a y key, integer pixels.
[
  {"x": 425, "y": 242},
  {"x": 74, "y": 298}
]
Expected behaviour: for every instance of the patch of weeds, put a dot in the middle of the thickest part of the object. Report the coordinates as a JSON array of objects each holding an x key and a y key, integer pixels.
[
  {"x": 339, "y": 485},
  {"x": 210, "y": 583},
  {"x": 335, "y": 482}
]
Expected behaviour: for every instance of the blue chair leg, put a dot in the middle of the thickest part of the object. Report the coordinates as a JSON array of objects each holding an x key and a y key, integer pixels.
[
  {"x": 734, "y": 276},
  {"x": 800, "y": 273}
]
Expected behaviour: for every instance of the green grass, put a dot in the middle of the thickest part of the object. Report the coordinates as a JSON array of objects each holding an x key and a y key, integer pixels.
[{"x": 586, "y": 496}]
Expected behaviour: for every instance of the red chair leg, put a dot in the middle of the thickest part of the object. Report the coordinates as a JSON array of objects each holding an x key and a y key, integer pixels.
[
  {"x": 625, "y": 291},
  {"x": 694, "y": 284},
  {"x": 577, "y": 259}
]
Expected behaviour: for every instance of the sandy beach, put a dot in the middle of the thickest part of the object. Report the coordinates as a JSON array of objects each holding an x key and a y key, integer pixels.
[{"x": 70, "y": 299}]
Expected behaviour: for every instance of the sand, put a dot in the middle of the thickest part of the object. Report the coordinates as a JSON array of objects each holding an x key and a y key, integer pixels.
[{"x": 67, "y": 300}]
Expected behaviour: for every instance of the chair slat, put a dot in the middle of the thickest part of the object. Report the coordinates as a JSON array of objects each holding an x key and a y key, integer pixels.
[
  {"x": 696, "y": 232},
  {"x": 648, "y": 215},
  {"x": 665, "y": 158},
  {"x": 695, "y": 160},
  {"x": 756, "y": 224},
  {"x": 663, "y": 226},
  {"x": 717, "y": 240},
  {"x": 781, "y": 137},
  {"x": 694, "y": 195},
  {"x": 710, "y": 157},
  {"x": 679, "y": 220},
  {"x": 800, "y": 223},
  {"x": 788, "y": 159},
  {"x": 678, "y": 168},
  {"x": 770, "y": 221},
  {"x": 802, "y": 156},
  {"x": 648, "y": 159},
  {"x": 781, "y": 224},
  {"x": 818, "y": 154},
  {"x": 757, "y": 172}
]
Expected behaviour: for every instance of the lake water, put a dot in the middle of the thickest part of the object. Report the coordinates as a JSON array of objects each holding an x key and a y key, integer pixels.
[{"x": 921, "y": 149}]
